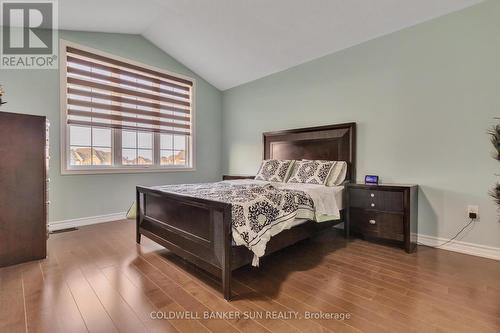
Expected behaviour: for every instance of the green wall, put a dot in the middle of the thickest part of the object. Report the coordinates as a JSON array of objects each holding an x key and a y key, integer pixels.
[
  {"x": 37, "y": 92},
  {"x": 423, "y": 99}
]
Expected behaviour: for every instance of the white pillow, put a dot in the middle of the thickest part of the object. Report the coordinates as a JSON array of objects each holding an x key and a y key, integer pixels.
[
  {"x": 338, "y": 174},
  {"x": 275, "y": 170},
  {"x": 311, "y": 172}
]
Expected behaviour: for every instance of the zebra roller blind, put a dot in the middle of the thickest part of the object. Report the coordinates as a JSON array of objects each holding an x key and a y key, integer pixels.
[{"x": 108, "y": 93}]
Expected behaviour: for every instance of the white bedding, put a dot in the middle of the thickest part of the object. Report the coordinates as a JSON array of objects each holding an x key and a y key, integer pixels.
[{"x": 328, "y": 200}]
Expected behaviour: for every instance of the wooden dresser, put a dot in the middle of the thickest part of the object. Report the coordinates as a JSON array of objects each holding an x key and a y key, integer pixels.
[
  {"x": 23, "y": 188},
  {"x": 384, "y": 212}
]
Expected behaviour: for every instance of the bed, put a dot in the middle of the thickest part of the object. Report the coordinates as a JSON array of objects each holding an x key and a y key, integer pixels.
[{"x": 199, "y": 229}]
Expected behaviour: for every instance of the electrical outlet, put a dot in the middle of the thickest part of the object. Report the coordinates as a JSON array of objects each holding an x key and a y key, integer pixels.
[{"x": 473, "y": 210}]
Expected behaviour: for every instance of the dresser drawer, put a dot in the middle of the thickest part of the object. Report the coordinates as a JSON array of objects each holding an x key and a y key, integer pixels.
[
  {"x": 377, "y": 224},
  {"x": 390, "y": 201}
]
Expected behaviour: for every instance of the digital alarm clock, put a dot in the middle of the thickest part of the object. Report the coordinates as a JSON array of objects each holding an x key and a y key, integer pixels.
[{"x": 371, "y": 179}]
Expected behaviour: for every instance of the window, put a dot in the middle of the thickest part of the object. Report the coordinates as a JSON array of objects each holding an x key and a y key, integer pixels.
[{"x": 120, "y": 116}]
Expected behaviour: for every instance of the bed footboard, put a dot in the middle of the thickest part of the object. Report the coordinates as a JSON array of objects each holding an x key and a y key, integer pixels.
[
  {"x": 199, "y": 231},
  {"x": 195, "y": 229}
]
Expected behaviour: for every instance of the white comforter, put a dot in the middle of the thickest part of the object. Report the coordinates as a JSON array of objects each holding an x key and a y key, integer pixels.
[{"x": 327, "y": 199}]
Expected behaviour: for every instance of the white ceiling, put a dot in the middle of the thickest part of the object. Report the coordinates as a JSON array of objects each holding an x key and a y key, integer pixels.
[{"x": 231, "y": 42}]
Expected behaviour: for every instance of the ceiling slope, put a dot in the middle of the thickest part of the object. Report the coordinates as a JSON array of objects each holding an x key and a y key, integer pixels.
[{"x": 231, "y": 42}]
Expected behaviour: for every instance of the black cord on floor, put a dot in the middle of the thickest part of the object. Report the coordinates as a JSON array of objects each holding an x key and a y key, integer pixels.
[{"x": 454, "y": 237}]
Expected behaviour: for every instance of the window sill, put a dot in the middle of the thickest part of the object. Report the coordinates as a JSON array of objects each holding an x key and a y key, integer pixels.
[{"x": 98, "y": 171}]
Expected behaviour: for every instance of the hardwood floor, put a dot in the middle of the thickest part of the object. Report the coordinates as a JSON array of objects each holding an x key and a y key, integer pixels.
[{"x": 97, "y": 279}]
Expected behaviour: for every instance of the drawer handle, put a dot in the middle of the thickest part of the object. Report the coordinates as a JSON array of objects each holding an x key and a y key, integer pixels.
[
  {"x": 373, "y": 205},
  {"x": 372, "y": 222},
  {"x": 372, "y": 195}
]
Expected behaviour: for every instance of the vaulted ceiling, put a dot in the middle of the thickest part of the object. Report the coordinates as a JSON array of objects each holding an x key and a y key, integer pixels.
[{"x": 231, "y": 42}]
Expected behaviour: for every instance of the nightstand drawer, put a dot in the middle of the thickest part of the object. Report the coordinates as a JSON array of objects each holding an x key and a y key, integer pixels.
[
  {"x": 377, "y": 224},
  {"x": 390, "y": 201},
  {"x": 363, "y": 222}
]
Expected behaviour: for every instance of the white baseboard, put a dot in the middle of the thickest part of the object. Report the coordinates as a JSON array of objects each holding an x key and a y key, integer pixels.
[
  {"x": 80, "y": 222},
  {"x": 484, "y": 251}
]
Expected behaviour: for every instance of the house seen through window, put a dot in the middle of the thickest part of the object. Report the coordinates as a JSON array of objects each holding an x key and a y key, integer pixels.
[{"x": 124, "y": 116}]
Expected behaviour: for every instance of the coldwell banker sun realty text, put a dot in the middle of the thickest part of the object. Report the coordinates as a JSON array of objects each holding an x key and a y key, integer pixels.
[{"x": 29, "y": 34}]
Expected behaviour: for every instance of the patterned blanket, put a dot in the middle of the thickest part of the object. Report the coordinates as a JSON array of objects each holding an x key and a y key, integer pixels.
[{"x": 259, "y": 211}]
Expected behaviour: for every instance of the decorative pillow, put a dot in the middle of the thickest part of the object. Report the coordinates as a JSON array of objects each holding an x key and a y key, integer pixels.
[
  {"x": 338, "y": 174},
  {"x": 274, "y": 170},
  {"x": 311, "y": 172}
]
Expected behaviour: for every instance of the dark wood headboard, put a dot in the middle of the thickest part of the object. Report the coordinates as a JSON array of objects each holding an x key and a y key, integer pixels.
[{"x": 332, "y": 142}]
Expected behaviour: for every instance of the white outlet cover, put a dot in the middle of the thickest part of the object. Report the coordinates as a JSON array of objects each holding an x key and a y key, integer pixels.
[{"x": 473, "y": 209}]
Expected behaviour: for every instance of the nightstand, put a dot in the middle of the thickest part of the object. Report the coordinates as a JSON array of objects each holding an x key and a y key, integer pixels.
[
  {"x": 228, "y": 177},
  {"x": 387, "y": 212}
]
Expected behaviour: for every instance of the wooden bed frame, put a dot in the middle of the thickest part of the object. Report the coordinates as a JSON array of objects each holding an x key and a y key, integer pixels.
[{"x": 199, "y": 230}]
